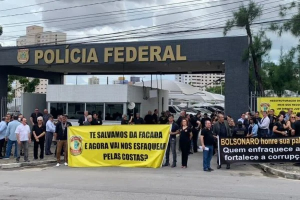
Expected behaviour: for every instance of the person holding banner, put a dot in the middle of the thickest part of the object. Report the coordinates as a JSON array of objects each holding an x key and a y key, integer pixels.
[
  {"x": 61, "y": 135},
  {"x": 174, "y": 130},
  {"x": 185, "y": 142},
  {"x": 221, "y": 129},
  {"x": 207, "y": 141}
]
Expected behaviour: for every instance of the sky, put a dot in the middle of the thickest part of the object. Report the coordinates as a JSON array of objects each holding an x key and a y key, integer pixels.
[{"x": 144, "y": 18}]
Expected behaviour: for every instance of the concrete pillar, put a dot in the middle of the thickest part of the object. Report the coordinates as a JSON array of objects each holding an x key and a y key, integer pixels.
[
  {"x": 236, "y": 87},
  {"x": 3, "y": 84}
]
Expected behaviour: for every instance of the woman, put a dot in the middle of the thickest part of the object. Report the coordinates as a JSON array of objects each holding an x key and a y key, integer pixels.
[
  {"x": 38, "y": 132},
  {"x": 125, "y": 120},
  {"x": 280, "y": 128},
  {"x": 184, "y": 141},
  {"x": 253, "y": 128},
  {"x": 291, "y": 124}
]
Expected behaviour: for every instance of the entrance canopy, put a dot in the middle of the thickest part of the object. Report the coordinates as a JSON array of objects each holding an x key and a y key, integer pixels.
[{"x": 211, "y": 55}]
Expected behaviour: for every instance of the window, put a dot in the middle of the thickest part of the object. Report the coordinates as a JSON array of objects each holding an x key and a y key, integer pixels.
[
  {"x": 57, "y": 109},
  {"x": 113, "y": 111},
  {"x": 75, "y": 110},
  {"x": 95, "y": 108},
  {"x": 137, "y": 109}
]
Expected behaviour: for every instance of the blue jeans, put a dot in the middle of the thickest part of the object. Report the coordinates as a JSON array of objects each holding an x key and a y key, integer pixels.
[
  {"x": 207, "y": 156},
  {"x": 10, "y": 143}
]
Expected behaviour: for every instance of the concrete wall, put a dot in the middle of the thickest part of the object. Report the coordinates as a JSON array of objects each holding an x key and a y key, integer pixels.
[
  {"x": 107, "y": 94},
  {"x": 135, "y": 94},
  {"x": 32, "y": 101},
  {"x": 87, "y": 93}
]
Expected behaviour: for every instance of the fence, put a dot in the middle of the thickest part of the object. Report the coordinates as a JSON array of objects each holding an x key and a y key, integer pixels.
[
  {"x": 268, "y": 93},
  {"x": 12, "y": 106}
]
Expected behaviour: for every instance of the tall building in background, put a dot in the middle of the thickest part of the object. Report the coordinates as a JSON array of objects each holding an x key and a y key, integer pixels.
[
  {"x": 93, "y": 81},
  {"x": 121, "y": 80},
  {"x": 202, "y": 81},
  {"x": 134, "y": 79},
  {"x": 35, "y": 35}
]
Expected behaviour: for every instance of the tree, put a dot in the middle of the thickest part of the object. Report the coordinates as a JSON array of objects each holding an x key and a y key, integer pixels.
[
  {"x": 244, "y": 18},
  {"x": 283, "y": 76},
  {"x": 27, "y": 85},
  {"x": 291, "y": 25},
  {"x": 217, "y": 89},
  {"x": 1, "y": 30}
]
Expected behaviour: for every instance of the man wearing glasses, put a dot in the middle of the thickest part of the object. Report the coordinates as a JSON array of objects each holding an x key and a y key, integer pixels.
[{"x": 34, "y": 116}]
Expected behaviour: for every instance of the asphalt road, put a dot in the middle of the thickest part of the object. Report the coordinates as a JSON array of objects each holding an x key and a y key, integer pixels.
[{"x": 240, "y": 182}]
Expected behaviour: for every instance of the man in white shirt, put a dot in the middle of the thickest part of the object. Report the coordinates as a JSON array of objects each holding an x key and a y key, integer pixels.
[
  {"x": 23, "y": 138},
  {"x": 242, "y": 118},
  {"x": 264, "y": 125},
  {"x": 50, "y": 129}
]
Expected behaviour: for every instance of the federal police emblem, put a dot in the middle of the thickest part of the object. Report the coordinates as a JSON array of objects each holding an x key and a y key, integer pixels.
[
  {"x": 75, "y": 145},
  {"x": 23, "y": 56}
]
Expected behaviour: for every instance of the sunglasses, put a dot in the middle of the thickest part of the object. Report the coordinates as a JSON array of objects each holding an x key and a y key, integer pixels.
[
  {"x": 40, "y": 120},
  {"x": 293, "y": 117}
]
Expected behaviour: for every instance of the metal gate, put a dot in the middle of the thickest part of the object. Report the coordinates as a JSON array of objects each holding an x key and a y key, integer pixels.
[{"x": 11, "y": 106}]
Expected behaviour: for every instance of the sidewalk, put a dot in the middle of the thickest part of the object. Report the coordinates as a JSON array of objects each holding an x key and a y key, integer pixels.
[
  {"x": 11, "y": 162},
  {"x": 285, "y": 170}
]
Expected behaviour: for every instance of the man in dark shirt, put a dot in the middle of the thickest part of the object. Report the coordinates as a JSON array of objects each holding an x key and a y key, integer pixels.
[
  {"x": 61, "y": 135},
  {"x": 155, "y": 116},
  {"x": 174, "y": 130},
  {"x": 204, "y": 119},
  {"x": 195, "y": 121},
  {"x": 163, "y": 119},
  {"x": 221, "y": 128},
  {"x": 182, "y": 116},
  {"x": 138, "y": 119},
  {"x": 272, "y": 122},
  {"x": 257, "y": 117},
  {"x": 149, "y": 118},
  {"x": 34, "y": 116},
  {"x": 240, "y": 131},
  {"x": 207, "y": 141},
  {"x": 83, "y": 118},
  {"x": 96, "y": 120},
  {"x": 297, "y": 125}
]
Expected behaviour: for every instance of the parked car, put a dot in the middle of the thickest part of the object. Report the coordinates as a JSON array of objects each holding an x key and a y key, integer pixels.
[
  {"x": 203, "y": 111},
  {"x": 219, "y": 107},
  {"x": 175, "y": 111},
  {"x": 210, "y": 108}
]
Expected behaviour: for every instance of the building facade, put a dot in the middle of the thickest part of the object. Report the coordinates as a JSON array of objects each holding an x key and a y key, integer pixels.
[
  {"x": 110, "y": 101},
  {"x": 35, "y": 35},
  {"x": 202, "y": 81},
  {"x": 93, "y": 81}
]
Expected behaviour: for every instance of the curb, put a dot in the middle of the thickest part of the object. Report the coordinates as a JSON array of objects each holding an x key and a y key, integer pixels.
[
  {"x": 25, "y": 164},
  {"x": 281, "y": 173}
]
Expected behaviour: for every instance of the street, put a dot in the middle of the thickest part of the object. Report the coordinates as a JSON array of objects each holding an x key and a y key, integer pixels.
[{"x": 240, "y": 182}]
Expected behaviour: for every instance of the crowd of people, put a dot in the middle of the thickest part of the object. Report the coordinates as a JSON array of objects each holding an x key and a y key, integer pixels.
[
  {"x": 15, "y": 131},
  {"x": 188, "y": 127}
]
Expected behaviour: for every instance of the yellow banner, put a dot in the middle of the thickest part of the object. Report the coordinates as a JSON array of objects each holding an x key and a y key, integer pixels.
[
  {"x": 120, "y": 145},
  {"x": 278, "y": 104}
]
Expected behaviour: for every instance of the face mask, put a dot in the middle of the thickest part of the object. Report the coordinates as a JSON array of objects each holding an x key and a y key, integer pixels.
[
  {"x": 19, "y": 119},
  {"x": 246, "y": 116}
]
